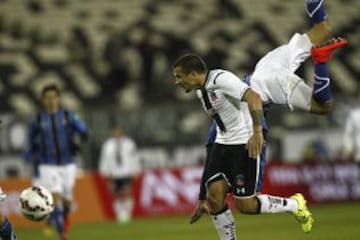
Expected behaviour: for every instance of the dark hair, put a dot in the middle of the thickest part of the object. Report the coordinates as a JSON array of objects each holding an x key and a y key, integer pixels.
[
  {"x": 190, "y": 63},
  {"x": 50, "y": 87}
]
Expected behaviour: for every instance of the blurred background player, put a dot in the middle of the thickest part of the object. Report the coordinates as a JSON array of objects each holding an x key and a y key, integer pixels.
[
  {"x": 6, "y": 231},
  {"x": 51, "y": 134},
  {"x": 119, "y": 164},
  {"x": 283, "y": 86},
  {"x": 352, "y": 135}
]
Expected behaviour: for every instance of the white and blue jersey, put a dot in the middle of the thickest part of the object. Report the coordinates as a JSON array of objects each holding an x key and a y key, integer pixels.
[{"x": 51, "y": 138}]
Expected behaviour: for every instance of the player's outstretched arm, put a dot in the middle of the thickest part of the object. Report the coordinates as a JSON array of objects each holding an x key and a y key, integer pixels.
[
  {"x": 256, "y": 142},
  {"x": 201, "y": 206}
]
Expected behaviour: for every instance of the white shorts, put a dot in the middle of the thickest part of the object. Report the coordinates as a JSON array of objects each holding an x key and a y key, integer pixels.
[
  {"x": 274, "y": 78},
  {"x": 36, "y": 181},
  {"x": 58, "y": 179}
]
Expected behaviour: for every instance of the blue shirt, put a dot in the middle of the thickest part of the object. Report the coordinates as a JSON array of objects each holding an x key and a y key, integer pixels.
[{"x": 51, "y": 137}]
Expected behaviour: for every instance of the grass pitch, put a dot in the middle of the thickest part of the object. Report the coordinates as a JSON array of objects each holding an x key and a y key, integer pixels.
[{"x": 332, "y": 222}]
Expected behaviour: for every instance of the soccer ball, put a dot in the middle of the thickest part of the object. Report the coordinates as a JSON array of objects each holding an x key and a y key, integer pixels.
[{"x": 36, "y": 203}]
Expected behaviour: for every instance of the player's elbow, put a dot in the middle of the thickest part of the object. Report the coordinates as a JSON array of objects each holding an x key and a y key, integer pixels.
[{"x": 252, "y": 98}]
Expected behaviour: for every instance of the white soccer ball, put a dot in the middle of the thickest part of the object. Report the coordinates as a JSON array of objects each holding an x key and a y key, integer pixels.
[{"x": 36, "y": 203}]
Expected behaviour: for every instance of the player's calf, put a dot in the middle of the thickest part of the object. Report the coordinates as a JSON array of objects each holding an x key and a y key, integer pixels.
[{"x": 247, "y": 205}]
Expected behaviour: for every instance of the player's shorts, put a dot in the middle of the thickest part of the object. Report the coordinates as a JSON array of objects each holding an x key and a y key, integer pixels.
[
  {"x": 119, "y": 184},
  {"x": 232, "y": 163},
  {"x": 36, "y": 181},
  {"x": 274, "y": 78},
  {"x": 58, "y": 179}
]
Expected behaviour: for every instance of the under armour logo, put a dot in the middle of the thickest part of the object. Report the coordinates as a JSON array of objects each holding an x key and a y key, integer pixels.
[{"x": 240, "y": 190}]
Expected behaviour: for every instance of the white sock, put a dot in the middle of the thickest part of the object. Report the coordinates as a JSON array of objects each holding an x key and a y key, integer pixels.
[
  {"x": 225, "y": 225},
  {"x": 128, "y": 207},
  {"x": 274, "y": 204}
]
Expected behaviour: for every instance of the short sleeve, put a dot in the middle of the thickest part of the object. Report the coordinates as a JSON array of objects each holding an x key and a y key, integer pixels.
[{"x": 230, "y": 85}]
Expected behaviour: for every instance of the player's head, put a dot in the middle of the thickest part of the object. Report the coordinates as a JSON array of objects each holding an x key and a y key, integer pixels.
[
  {"x": 50, "y": 96},
  {"x": 189, "y": 71},
  {"x": 117, "y": 132}
]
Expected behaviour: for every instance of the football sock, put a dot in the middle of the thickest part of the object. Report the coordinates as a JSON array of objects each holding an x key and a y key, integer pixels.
[
  {"x": 316, "y": 11},
  {"x": 274, "y": 204},
  {"x": 224, "y": 224},
  {"x": 66, "y": 210},
  {"x": 6, "y": 232},
  {"x": 57, "y": 216},
  {"x": 128, "y": 207},
  {"x": 322, "y": 89}
]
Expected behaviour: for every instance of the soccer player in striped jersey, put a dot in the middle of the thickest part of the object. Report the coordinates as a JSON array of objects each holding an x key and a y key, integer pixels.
[
  {"x": 51, "y": 139},
  {"x": 275, "y": 81},
  {"x": 229, "y": 167}
]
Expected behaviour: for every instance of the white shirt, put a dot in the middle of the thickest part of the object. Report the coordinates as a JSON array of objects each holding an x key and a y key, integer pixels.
[
  {"x": 119, "y": 158},
  {"x": 225, "y": 91},
  {"x": 352, "y": 133}
]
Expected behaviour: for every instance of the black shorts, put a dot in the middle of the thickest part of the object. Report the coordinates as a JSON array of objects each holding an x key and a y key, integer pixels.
[
  {"x": 119, "y": 184},
  {"x": 232, "y": 163}
]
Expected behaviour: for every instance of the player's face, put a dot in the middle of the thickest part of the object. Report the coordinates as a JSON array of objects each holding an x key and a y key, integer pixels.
[
  {"x": 187, "y": 82},
  {"x": 51, "y": 101}
]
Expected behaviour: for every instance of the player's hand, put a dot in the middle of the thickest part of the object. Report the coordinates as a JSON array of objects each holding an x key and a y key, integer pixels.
[
  {"x": 255, "y": 144},
  {"x": 200, "y": 209}
]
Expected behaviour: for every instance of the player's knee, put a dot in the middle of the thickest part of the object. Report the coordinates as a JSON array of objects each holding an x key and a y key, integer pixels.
[
  {"x": 247, "y": 205},
  {"x": 322, "y": 109},
  {"x": 328, "y": 107},
  {"x": 57, "y": 198}
]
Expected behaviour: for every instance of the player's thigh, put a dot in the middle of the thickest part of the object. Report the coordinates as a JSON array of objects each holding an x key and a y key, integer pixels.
[
  {"x": 122, "y": 186},
  {"x": 49, "y": 177},
  {"x": 68, "y": 180},
  {"x": 279, "y": 85},
  {"x": 300, "y": 95},
  {"x": 217, "y": 167},
  {"x": 244, "y": 173},
  {"x": 289, "y": 56}
]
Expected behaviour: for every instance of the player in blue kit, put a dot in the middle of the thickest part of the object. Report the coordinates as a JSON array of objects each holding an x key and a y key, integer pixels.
[
  {"x": 6, "y": 231},
  {"x": 51, "y": 143}
]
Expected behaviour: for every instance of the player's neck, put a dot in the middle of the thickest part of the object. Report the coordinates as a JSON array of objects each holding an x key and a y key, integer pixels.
[{"x": 202, "y": 79}]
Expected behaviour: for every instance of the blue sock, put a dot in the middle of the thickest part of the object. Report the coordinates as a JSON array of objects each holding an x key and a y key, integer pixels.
[
  {"x": 316, "y": 11},
  {"x": 6, "y": 232},
  {"x": 322, "y": 89},
  {"x": 57, "y": 217}
]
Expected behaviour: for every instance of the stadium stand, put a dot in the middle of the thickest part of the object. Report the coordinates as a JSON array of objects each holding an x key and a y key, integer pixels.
[{"x": 117, "y": 54}]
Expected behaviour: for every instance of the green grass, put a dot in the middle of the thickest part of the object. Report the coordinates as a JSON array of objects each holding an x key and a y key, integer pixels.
[{"x": 332, "y": 222}]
